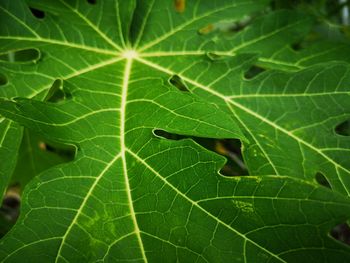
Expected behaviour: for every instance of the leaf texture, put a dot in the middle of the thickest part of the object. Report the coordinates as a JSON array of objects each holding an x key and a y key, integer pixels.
[
  {"x": 96, "y": 32},
  {"x": 131, "y": 195}
]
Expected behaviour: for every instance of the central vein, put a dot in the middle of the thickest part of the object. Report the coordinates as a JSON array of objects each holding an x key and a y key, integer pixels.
[
  {"x": 123, "y": 103},
  {"x": 129, "y": 59}
]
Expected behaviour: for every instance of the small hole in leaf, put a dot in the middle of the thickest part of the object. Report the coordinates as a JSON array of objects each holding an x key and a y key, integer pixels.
[
  {"x": 21, "y": 56},
  {"x": 167, "y": 135},
  {"x": 322, "y": 180},
  {"x": 3, "y": 80},
  {"x": 253, "y": 71},
  {"x": 92, "y": 2},
  {"x": 180, "y": 5},
  {"x": 343, "y": 128},
  {"x": 59, "y": 152},
  {"x": 177, "y": 82},
  {"x": 66, "y": 152},
  {"x": 37, "y": 13},
  {"x": 341, "y": 233}
]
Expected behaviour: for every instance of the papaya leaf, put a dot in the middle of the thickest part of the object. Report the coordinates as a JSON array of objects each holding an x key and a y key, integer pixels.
[
  {"x": 128, "y": 69},
  {"x": 271, "y": 36}
]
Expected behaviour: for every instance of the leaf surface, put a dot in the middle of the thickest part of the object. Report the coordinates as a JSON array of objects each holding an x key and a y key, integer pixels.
[
  {"x": 283, "y": 113},
  {"x": 131, "y": 195},
  {"x": 29, "y": 40}
]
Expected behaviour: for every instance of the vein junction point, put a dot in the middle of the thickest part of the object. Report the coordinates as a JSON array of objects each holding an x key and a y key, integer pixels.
[{"x": 130, "y": 54}]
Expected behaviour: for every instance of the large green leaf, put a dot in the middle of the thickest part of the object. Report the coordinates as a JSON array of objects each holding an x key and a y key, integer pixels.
[
  {"x": 25, "y": 40},
  {"x": 131, "y": 195}
]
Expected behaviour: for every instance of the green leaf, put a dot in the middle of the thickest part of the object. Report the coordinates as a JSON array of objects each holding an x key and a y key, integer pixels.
[
  {"x": 290, "y": 119},
  {"x": 130, "y": 68},
  {"x": 10, "y": 133},
  {"x": 28, "y": 40},
  {"x": 273, "y": 36},
  {"x": 37, "y": 155}
]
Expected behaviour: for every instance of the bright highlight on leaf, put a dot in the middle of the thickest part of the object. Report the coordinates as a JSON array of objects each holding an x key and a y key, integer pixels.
[{"x": 111, "y": 75}]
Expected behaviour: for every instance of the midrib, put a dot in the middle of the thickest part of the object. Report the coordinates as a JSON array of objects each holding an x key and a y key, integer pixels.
[{"x": 126, "y": 78}]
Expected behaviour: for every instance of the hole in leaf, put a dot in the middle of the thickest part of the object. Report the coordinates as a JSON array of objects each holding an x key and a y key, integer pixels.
[
  {"x": 92, "y": 2},
  {"x": 3, "y": 80},
  {"x": 21, "y": 56},
  {"x": 343, "y": 128},
  {"x": 180, "y": 5},
  {"x": 37, "y": 13},
  {"x": 66, "y": 152},
  {"x": 322, "y": 180},
  {"x": 177, "y": 82},
  {"x": 341, "y": 233},
  {"x": 167, "y": 135},
  {"x": 229, "y": 148},
  {"x": 253, "y": 71}
]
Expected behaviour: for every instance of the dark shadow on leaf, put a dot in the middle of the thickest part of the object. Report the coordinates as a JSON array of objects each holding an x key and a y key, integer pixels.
[
  {"x": 92, "y": 2},
  {"x": 253, "y": 71},
  {"x": 3, "y": 80},
  {"x": 37, "y": 13},
  {"x": 343, "y": 128},
  {"x": 322, "y": 180},
  {"x": 296, "y": 46}
]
